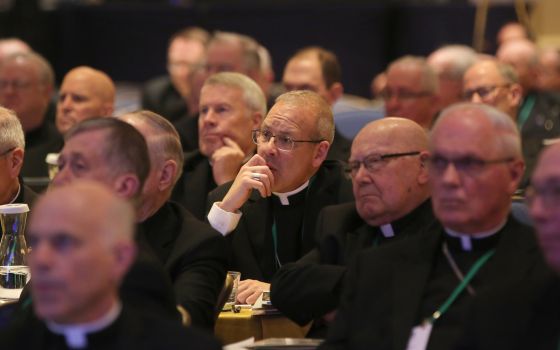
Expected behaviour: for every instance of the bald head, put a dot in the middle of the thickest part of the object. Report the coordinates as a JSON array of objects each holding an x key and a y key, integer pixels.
[
  {"x": 389, "y": 175},
  {"x": 12, "y": 46},
  {"x": 85, "y": 93},
  {"x": 522, "y": 55},
  {"x": 511, "y": 31}
]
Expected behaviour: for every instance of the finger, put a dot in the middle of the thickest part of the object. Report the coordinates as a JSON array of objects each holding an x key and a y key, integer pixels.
[
  {"x": 256, "y": 160},
  {"x": 253, "y": 297},
  {"x": 230, "y": 143},
  {"x": 242, "y": 297}
]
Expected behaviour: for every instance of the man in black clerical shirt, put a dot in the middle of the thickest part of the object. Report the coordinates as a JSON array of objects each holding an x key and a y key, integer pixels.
[
  {"x": 402, "y": 295},
  {"x": 231, "y": 106},
  {"x": 389, "y": 170},
  {"x": 12, "y": 152},
  {"x": 82, "y": 246},
  {"x": 275, "y": 224},
  {"x": 192, "y": 253}
]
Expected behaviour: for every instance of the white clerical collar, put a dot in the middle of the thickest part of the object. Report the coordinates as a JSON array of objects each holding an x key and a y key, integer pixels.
[
  {"x": 387, "y": 230},
  {"x": 466, "y": 239},
  {"x": 284, "y": 196},
  {"x": 17, "y": 194},
  {"x": 76, "y": 334}
]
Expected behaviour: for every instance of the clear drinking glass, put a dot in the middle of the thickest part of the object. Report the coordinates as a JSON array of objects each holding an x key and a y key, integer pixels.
[{"x": 14, "y": 270}]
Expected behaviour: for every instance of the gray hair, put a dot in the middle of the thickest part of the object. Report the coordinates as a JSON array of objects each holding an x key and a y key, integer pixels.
[
  {"x": 429, "y": 76},
  {"x": 249, "y": 47},
  {"x": 507, "y": 72},
  {"x": 164, "y": 139},
  {"x": 253, "y": 95},
  {"x": 11, "y": 132},
  {"x": 457, "y": 59},
  {"x": 43, "y": 67},
  {"x": 507, "y": 139},
  {"x": 324, "y": 128}
]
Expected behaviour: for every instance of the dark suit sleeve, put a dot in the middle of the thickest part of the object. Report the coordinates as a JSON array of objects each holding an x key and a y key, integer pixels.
[
  {"x": 201, "y": 277},
  {"x": 339, "y": 331},
  {"x": 309, "y": 288}
]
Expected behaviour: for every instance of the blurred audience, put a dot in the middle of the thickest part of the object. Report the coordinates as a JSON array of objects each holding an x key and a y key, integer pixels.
[{"x": 549, "y": 70}]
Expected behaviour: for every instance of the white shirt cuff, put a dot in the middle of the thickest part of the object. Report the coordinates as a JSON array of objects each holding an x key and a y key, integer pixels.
[{"x": 223, "y": 221}]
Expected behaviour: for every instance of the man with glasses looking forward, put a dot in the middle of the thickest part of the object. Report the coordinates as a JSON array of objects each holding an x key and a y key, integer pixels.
[
  {"x": 416, "y": 293},
  {"x": 389, "y": 170},
  {"x": 411, "y": 90},
  {"x": 275, "y": 224}
]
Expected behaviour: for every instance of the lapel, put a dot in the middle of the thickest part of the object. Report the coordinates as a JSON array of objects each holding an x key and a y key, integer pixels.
[
  {"x": 411, "y": 272},
  {"x": 516, "y": 253},
  {"x": 197, "y": 184}
]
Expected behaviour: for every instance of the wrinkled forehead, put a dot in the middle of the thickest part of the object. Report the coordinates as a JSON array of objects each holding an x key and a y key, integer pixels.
[{"x": 290, "y": 119}]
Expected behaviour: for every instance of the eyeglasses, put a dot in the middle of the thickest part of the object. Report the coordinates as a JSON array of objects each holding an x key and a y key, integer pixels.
[
  {"x": 282, "y": 142},
  {"x": 403, "y": 94},
  {"x": 468, "y": 165},
  {"x": 548, "y": 194},
  {"x": 15, "y": 84},
  {"x": 374, "y": 162},
  {"x": 482, "y": 91}
]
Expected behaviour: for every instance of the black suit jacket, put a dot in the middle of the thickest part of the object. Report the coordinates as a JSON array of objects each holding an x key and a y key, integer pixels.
[
  {"x": 188, "y": 132},
  {"x": 192, "y": 188},
  {"x": 311, "y": 287},
  {"x": 543, "y": 123},
  {"x": 340, "y": 148},
  {"x": 133, "y": 329},
  {"x": 193, "y": 255},
  {"x": 518, "y": 316},
  {"x": 385, "y": 288},
  {"x": 251, "y": 248},
  {"x": 160, "y": 96},
  {"x": 38, "y": 143}
]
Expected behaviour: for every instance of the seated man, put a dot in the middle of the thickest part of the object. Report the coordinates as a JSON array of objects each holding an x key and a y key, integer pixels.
[
  {"x": 231, "y": 106},
  {"x": 192, "y": 253},
  {"x": 275, "y": 224},
  {"x": 168, "y": 95},
  {"x": 26, "y": 87},
  {"x": 389, "y": 169},
  {"x": 12, "y": 148},
  {"x": 316, "y": 69},
  {"x": 82, "y": 246},
  {"x": 411, "y": 90},
  {"x": 528, "y": 317},
  {"x": 416, "y": 293},
  {"x": 85, "y": 93}
]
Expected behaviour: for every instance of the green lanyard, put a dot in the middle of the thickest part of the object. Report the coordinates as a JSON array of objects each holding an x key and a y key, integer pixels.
[
  {"x": 472, "y": 272},
  {"x": 525, "y": 111}
]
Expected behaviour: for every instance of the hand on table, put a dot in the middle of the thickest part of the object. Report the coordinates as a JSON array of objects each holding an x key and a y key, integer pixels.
[{"x": 249, "y": 291}]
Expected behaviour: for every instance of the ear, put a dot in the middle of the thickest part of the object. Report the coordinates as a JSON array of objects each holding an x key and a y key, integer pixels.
[
  {"x": 127, "y": 186},
  {"x": 256, "y": 118},
  {"x": 335, "y": 92},
  {"x": 321, "y": 151},
  {"x": 167, "y": 175},
  {"x": 516, "y": 169},
  {"x": 124, "y": 253},
  {"x": 108, "y": 109},
  {"x": 516, "y": 93},
  {"x": 16, "y": 162},
  {"x": 423, "y": 174}
]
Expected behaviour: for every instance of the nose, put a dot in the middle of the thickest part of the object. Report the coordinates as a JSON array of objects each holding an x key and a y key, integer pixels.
[
  {"x": 65, "y": 102},
  {"x": 39, "y": 258},
  {"x": 269, "y": 147},
  {"x": 475, "y": 98},
  {"x": 208, "y": 118},
  {"x": 537, "y": 208},
  {"x": 62, "y": 177},
  {"x": 450, "y": 176}
]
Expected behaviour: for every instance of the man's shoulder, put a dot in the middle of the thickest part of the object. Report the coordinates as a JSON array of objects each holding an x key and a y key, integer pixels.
[
  {"x": 192, "y": 227},
  {"x": 194, "y": 159}
]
